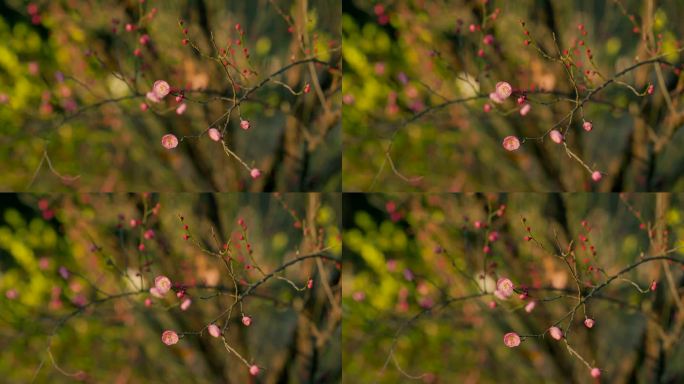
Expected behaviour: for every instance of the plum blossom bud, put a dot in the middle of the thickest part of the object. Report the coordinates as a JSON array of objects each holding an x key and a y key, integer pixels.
[
  {"x": 589, "y": 323},
  {"x": 595, "y": 373},
  {"x": 654, "y": 285},
  {"x": 588, "y": 126},
  {"x": 556, "y": 333},
  {"x": 309, "y": 284},
  {"x": 149, "y": 234},
  {"x": 151, "y": 96},
  {"x": 253, "y": 370},
  {"x": 244, "y": 124},
  {"x": 255, "y": 173},
  {"x": 488, "y": 40},
  {"x": 556, "y": 136},
  {"x": 525, "y": 109},
  {"x": 214, "y": 134},
  {"x": 144, "y": 39},
  {"x": 650, "y": 89},
  {"x": 169, "y": 337},
  {"x": 530, "y": 306},
  {"x": 11, "y": 294},
  {"x": 64, "y": 272},
  {"x": 185, "y": 304},
  {"x": 214, "y": 330},
  {"x": 181, "y": 109},
  {"x": 487, "y": 108},
  {"x": 495, "y": 97},
  {"x": 596, "y": 176},
  {"x": 155, "y": 292},
  {"x": 246, "y": 320},
  {"x": 511, "y": 339},
  {"x": 169, "y": 141},
  {"x": 500, "y": 295},
  {"x": 493, "y": 236}
]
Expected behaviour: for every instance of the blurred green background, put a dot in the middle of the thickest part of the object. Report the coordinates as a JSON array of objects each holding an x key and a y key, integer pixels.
[
  {"x": 61, "y": 252},
  {"x": 403, "y": 56},
  {"x": 63, "y": 62},
  {"x": 406, "y": 253}
]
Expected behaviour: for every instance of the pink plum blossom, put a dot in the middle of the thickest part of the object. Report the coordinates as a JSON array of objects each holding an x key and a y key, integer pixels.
[
  {"x": 244, "y": 124},
  {"x": 169, "y": 141},
  {"x": 589, "y": 323},
  {"x": 162, "y": 283},
  {"x": 511, "y": 143},
  {"x": 169, "y": 337},
  {"x": 503, "y": 89},
  {"x": 505, "y": 286},
  {"x": 511, "y": 339},
  {"x": 161, "y": 88},
  {"x": 588, "y": 126}
]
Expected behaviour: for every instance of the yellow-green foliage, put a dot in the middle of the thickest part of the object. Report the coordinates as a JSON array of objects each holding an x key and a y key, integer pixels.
[{"x": 25, "y": 242}]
